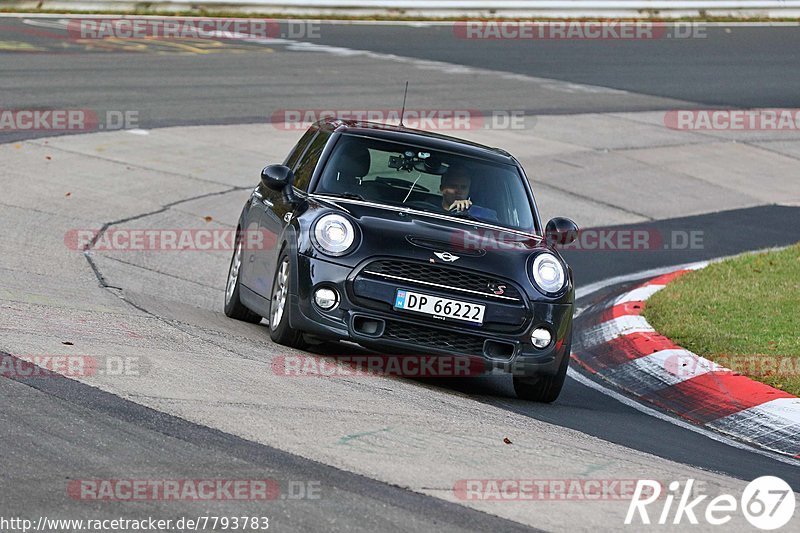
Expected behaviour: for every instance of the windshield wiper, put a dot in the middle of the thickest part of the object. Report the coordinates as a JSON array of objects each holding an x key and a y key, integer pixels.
[{"x": 350, "y": 195}]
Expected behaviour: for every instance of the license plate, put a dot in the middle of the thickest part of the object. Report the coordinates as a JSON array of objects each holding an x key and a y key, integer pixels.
[{"x": 439, "y": 307}]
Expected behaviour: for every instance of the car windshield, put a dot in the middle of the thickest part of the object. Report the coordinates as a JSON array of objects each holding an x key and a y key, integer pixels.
[{"x": 439, "y": 182}]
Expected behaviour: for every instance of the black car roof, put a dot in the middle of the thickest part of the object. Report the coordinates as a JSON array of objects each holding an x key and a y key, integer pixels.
[{"x": 402, "y": 134}]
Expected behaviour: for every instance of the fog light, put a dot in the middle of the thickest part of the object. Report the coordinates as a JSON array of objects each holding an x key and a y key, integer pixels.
[
  {"x": 540, "y": 338},
  {"x": 326, "y": 298}
]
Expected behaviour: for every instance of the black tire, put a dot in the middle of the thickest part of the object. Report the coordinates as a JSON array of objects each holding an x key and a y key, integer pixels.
[
  {"x": 234, "y": 308},
  {"x": 280, "y": 308},
  {"x": 544, "y": 389}
]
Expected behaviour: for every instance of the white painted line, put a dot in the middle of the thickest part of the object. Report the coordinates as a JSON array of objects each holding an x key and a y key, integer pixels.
[
  {"x": 676, "y": 366},
  {"x": 582, "y": 292},
  {"x": 774, "y": 424},
  {"x": 639, "y": 294},
  {"x": 583, "y": 380},
  {"x": 424, "y": 64},
  {"x": 786, "y": 408},
  {"x": 47, "y": 23},
  {"x": 658, "y": 371},
  {"x": 612, "y": 329}
]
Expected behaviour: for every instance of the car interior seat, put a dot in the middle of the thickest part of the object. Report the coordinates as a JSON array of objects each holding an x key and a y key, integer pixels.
[
  {"x": 351, "y": 166},
  {"x": 486, "y": 191}
]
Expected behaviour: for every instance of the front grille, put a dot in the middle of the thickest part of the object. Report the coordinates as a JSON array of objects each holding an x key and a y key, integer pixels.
[
  {"x": 443, "y": 277},
  {"x": 435, "y": 338}
]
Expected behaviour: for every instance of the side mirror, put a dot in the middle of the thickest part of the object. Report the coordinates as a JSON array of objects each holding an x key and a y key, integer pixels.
[
  {"x": 280, "y": 178},
  {"x": 561, "y": 231},
  {"x": 276, "y": 177}
]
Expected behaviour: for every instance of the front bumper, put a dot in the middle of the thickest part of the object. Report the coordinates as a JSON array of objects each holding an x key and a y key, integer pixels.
[{"x": 365, "y": 315}]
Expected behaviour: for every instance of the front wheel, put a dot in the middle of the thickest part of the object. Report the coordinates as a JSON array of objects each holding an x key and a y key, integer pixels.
[
  {"x": 234, "y": 308},
  {"x": 543, "y": 389},
  {"x": 280, "y": 307}
]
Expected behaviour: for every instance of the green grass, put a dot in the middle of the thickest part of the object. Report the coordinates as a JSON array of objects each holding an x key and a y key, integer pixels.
[{"x": 743, "y": 313}]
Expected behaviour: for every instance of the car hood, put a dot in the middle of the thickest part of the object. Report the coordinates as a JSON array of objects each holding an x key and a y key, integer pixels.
[{"x": 440, "y": 240}]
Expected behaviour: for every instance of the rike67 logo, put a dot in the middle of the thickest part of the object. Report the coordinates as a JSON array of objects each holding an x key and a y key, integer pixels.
[{"x": 767, "y": 503}]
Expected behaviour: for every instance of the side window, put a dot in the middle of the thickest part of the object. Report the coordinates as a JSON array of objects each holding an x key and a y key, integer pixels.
[
  {"x": 299, "y": 148},
  {"x": 304, "y": 171}
]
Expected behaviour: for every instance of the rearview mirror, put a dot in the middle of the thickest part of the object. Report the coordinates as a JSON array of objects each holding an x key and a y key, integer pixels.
[{"x": 561, "y": 231}]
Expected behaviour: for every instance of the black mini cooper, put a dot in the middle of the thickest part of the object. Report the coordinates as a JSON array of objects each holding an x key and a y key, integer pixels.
[{"x": 407, "y": 242}]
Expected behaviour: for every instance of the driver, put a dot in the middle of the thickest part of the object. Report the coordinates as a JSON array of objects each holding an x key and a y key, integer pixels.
[{"x": 455, "y": 186}]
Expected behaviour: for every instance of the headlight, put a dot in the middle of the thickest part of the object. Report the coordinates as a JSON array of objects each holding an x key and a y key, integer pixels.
[
  {"x": 548, "y": 273},
  {"x": 333, "y": 234}
]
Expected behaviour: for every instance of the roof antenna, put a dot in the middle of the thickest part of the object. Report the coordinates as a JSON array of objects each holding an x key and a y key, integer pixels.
[{"x": 403, "y": 112}]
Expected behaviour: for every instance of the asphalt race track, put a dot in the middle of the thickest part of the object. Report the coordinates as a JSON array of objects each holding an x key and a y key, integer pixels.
[
  {"x": 733, "y": 67},
  {"x": 380, "y": 453}
]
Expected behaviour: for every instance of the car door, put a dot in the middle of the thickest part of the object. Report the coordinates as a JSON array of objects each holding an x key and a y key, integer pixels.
[
  {"x": 277, "y": 213},
  {"x": 256, "y": 270}
]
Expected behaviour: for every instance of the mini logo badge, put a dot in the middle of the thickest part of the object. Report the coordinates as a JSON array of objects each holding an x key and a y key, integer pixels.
[{"x": 446, "y": 256}]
